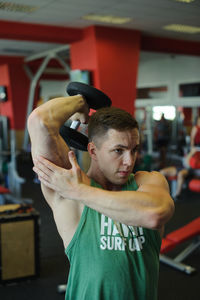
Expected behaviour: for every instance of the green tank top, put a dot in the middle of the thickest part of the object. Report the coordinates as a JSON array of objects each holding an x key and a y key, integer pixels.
[{"x": 112, "y": 261}]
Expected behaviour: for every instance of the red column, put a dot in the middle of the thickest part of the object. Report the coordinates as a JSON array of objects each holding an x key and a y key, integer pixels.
[
  {"x": 112, "y": 55},
  {"x": 20, "y": 90},
  {"x": 13, "y": 76},
  {"x": 6, "y": 108}
]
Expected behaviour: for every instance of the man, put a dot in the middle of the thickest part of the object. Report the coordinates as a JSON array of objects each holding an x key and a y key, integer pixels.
[
  {"x": 162, "y": 137},
  {"x": 189, "y": 169},
  {"x": 110, "y": 220},
  {"x": 195, "y": 134}
]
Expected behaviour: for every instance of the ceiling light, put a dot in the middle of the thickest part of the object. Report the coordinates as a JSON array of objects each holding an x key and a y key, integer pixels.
[
  {"x": 185, "y": 1},
  {"x": 10, "y": 6},
  {"x": 106, "y": 19},
  {"x": 182, "y": 28}
]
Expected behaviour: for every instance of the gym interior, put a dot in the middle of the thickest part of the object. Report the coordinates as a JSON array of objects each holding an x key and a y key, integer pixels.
[{"x": 151, "y": 72}]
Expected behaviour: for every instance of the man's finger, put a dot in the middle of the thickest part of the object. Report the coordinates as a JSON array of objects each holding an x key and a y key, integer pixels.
[
  {"x": 46, "y": 163},
  {"x": 72, "y": 159}
]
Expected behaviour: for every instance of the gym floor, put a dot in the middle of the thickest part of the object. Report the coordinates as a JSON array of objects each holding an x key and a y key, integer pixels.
[{"x": 173, "y": 284}]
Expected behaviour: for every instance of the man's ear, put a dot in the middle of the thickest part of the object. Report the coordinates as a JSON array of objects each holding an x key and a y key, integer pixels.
[{"x": 92, "y": 150}]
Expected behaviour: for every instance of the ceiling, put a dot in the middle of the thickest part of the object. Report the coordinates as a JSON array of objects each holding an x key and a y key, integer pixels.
[{"x": 147, "y": 16}]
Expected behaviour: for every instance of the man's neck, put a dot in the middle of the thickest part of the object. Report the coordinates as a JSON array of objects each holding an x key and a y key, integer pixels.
[{"x": 96, "y": 174}]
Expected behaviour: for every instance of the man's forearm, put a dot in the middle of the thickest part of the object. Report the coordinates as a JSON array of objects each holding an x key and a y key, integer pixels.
[
  {"x": 56, "y": 111},
  {"x": 150, "y": 206},
  {"x": 128, "y": 207}
]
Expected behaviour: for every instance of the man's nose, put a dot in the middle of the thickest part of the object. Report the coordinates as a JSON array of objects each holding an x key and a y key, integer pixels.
[{"x": 128, "y": 159}]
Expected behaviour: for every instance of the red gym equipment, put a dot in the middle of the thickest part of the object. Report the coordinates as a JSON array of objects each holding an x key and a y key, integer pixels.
[
  {"x": 194, "y": 185},
  {"x": 191, "y": 231}
]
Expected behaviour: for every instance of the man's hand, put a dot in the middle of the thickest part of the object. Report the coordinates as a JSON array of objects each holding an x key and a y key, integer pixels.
[
  {"x": 64, "y": 182},
  {"x": 83, "y": 114}
]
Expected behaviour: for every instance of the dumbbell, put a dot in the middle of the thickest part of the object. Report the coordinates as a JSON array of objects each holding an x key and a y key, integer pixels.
[{"x": 95, "y": 99}]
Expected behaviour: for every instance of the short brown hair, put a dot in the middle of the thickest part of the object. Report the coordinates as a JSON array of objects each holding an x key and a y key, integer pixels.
[{"x": 109, "y": 118}]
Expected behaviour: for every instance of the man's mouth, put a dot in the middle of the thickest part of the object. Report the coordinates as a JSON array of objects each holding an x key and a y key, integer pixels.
[{"x": 124, "y": 173}]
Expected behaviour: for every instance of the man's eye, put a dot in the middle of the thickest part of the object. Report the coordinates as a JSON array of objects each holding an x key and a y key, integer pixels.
[
  {"x": 136, "y": 149},
  {"x": 119, "y": 151}
]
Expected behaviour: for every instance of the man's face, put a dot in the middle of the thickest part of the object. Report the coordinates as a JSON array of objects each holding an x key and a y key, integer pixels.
[{"x": 117, "y": 154}]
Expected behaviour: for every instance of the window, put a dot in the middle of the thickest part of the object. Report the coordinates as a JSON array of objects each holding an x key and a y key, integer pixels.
[
  {"x": 168, "y": 111},
  {"x": 152, "y": 92},
  {"x": 189, "y": 90}
]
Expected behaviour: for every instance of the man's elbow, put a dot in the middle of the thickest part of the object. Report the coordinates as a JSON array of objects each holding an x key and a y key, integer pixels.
[
  {"x": 37, "y": 123},
  {"x": 33, "y": 120},
  {"x": 162, "y": 215}
]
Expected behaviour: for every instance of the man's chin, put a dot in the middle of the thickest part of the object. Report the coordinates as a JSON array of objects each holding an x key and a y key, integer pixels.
[
  {"x": 118, "y": 181},
  {"x": 122, "y": 179}
]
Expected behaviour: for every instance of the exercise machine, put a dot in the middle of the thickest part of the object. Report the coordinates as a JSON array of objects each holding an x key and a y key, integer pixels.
[
  {"x": 11, "y": 190},
  {"x": 191, "y": 231}
]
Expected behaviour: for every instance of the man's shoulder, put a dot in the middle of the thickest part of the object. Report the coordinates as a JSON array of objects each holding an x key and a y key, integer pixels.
[
  {"x": 145, "y": 177},
  {"x": 147, "y": 173}
]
